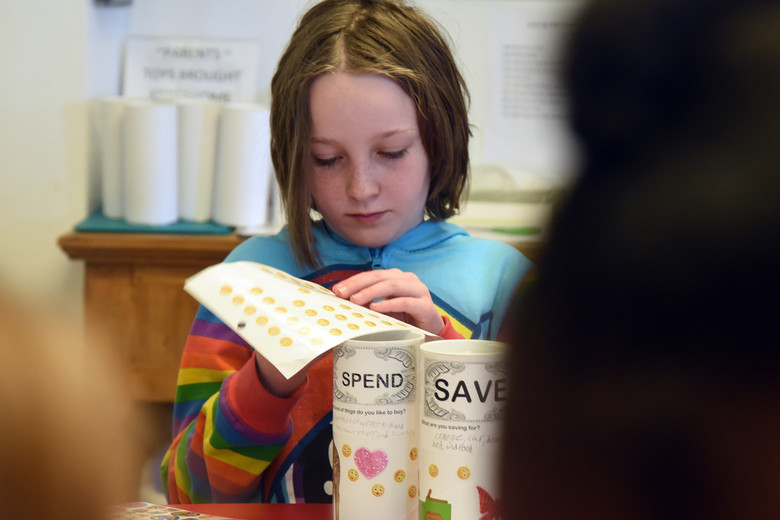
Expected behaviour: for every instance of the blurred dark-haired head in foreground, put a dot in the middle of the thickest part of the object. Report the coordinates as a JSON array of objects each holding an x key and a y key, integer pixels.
[{"x": 647, "y": 354}]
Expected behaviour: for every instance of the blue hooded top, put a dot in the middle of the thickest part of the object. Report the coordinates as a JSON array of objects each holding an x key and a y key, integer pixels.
[{"x": 471, "y": 280}]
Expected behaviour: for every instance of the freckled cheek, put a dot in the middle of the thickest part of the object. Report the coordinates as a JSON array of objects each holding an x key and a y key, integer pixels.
[
  {"x": 325, "y": 191},
  {"x": 410, "y": 187},
  {"x": 414, "y": 178}
]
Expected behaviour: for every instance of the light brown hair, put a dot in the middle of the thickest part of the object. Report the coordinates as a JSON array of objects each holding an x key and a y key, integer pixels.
[{"x": 383, "y": 37}]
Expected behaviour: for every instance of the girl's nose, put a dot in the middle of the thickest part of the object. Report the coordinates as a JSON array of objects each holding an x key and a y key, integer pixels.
[{"x": 361, "y": 183}]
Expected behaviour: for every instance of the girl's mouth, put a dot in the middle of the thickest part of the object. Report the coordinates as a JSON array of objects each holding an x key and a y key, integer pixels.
[{"x": 366, "y": 218}]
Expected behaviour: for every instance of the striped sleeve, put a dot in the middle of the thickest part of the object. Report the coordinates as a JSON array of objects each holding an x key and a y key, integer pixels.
[
  {"x": 450, "y": 331},
  {"x": 226, "y": 427}
]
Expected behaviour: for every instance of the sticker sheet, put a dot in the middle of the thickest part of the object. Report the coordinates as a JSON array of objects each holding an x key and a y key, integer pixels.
[
  {"x": 288, "y": 320},
  {"x": 148, "y": 511}
]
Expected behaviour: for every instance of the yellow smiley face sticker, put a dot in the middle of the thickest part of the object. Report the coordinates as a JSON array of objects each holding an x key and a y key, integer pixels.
[
  {"x": 378, "y": 490},
  {"x": 353, "y": 474},
  {"x": 464, "y": 472},
  {"x": 400, "y": 475},
  {"x": 413, "y": 454},
  {"x": 346, "y": 450},
  {"x": 412, "y": 491},
  {"x": 433, "y": 469}
]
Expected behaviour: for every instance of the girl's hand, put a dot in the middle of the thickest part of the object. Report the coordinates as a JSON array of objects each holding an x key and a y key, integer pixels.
[
  {"x": 402, "y": 295},
  {"x": 275, "y": 382}
]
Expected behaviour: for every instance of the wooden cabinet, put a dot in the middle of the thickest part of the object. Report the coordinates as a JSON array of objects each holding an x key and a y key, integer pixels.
[{"x": 134, "y": 291}]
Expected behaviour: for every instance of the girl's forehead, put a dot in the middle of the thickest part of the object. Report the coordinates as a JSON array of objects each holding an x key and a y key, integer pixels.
[
  {"x": 348, "y": 82},
  {"x": 359, "y": 104}
]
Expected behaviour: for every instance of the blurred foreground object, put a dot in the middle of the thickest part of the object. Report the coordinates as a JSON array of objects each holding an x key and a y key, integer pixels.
[
  {"x": 69, "y": 435},
  {"x": 646, "y": 366}
]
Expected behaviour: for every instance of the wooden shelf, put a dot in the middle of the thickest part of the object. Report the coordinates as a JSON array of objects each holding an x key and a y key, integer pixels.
[
  {"x": 146, "y": 248},
  {"x": 133, "y": 291}
]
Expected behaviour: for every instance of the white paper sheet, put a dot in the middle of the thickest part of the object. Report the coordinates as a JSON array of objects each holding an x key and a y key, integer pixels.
[
  {"x": 526, "y": 127},
  {"x": 288, "y": 320}
]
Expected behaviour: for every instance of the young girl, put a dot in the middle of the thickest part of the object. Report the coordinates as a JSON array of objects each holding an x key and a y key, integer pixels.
[{"x": 369, "y": 132}]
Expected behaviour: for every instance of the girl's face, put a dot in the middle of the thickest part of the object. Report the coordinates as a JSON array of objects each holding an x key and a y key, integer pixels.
[{"x": 370, "y": 173}]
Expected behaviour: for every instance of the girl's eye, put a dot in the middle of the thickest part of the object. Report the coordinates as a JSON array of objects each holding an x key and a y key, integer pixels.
[
  {"x": 393, "y": 155},
  {"x": 325, "y": 163}
]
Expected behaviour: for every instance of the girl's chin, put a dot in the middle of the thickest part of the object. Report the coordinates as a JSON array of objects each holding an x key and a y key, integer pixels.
[{"x": 373, "y": 240}]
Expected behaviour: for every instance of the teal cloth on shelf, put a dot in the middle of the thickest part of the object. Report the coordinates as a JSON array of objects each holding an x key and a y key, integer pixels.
[{"x": 97, "y": 222}]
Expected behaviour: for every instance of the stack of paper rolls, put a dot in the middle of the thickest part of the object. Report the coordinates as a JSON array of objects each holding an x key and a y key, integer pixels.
[{"x": 186, "y": 159}]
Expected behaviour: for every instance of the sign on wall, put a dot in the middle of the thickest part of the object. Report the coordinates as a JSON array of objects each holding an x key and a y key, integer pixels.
[{"x": 164, "y": 68}]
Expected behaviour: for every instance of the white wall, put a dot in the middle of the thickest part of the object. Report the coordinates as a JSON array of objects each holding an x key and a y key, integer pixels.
[
  {"x": 56, "y": 55},
  {"x": 43, "y": 148},
  {"x": 270, "y": 22}
]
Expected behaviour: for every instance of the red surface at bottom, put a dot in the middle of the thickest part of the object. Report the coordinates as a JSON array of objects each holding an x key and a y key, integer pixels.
[{"x": 263, "y": 511}]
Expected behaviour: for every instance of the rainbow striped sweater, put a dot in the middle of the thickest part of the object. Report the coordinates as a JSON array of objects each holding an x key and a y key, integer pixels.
[{"x": 233, "y": 441}]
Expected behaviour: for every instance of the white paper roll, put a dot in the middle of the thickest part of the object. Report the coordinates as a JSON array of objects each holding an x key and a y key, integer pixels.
[
  {"x": 465, "y": 384},
  {"x": 375, "y": 426},
  {"x": 243, "y": 173},
  {"x": 150, "y": 163},
  {"x": 111, "y": 161},
  {"x": 197, "y": 127}
]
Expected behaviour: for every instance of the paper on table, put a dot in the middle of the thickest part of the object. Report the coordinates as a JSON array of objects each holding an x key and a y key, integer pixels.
[
  {"x": 483, "y": 214},
  {"x": 288, "y": 320},
  {"x": 149, "y": 511}
]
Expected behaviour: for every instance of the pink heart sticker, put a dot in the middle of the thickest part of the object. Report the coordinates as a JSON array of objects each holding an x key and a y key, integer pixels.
[{"x": 370, "y": 463}]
